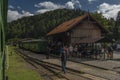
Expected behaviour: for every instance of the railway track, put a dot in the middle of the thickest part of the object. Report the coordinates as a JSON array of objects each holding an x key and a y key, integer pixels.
[
  {"x": 55, "y": 72},
  {"x": 42, "y": 69}
]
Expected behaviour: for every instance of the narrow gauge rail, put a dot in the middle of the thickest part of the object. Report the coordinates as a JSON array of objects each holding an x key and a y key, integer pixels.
[
  {"x": 56, "y": 70},
  {"x": 71, "y": 74},
  {"x": 47, "y": 72}
]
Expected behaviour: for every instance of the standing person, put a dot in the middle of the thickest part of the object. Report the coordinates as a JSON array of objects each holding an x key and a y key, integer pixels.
[
  {"x": 96, "y": 51},
  {"x": 99, "y": 52},
  {"x": 79, "y": 51},
  {"x": 118, "y": 47},
  {"x": 71, "y": 50},
  {"x": 110, "y": 52},
  {"x": 103, "y": 52},
  {"x": 63, "y": 59},
  {"x": 48, "y": 51},
  {"x": 75, "y": 50},
  {"x": 67, "y": 51}
]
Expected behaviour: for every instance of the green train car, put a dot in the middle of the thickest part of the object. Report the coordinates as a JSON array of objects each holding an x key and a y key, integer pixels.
[{"x": 36, "y": 45}]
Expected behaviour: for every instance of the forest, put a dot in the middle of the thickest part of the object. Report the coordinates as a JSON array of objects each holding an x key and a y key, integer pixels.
[{"x": 38, "y": 25}]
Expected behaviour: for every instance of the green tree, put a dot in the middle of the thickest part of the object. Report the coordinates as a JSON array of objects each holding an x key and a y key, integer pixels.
[{"x": 39, "y": 25}]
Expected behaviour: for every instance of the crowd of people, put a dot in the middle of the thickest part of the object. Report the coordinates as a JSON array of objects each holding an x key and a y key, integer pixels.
[{"x": 95, "y": 51}]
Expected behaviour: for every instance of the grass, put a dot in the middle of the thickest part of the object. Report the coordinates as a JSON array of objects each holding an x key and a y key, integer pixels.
[{"x": 19, "y": 69}]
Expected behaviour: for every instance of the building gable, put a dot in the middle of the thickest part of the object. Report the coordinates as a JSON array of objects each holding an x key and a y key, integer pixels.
[
  {"x": 85, "y": 31},
  {"x": 68, "y": 25}
]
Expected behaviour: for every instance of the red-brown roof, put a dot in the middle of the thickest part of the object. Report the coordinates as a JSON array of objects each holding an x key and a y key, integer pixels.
[{"x": 71, "y": 23}]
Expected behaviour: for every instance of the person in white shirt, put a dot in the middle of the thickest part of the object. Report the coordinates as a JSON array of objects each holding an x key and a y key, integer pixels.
[
  {"x": 118, "y": 47},
  {"x": 70, "y": 50}
]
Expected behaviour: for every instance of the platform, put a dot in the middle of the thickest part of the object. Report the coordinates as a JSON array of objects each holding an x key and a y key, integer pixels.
[{"x": 107, "y": 69}]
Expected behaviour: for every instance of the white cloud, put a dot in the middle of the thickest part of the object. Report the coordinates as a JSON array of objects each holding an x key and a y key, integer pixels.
[
  {"x": 69, "y": 5},
  {"x": 48, "y": 6},
  {"x": 25, "y": 13},
  {"x": 43, "y": 10},
  {"x": 14, "y": 15},
  {"x": 10, "y": 7},
  {"x": 76, "y": 4},
  {"x": 73, "y": 4},
  {"x": 90, "y": 1},
  {"x": 109, "y": 11}
]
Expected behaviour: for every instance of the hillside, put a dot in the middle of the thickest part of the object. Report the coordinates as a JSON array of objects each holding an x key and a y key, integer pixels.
[{"x": 37, "y": 26}]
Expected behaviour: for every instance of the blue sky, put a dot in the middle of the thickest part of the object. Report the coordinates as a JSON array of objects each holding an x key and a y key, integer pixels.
[{"x": 21, "y": 8}]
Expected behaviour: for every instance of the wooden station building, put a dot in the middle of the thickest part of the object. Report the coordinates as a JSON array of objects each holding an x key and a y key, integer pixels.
[{"x": 83, "y": 29}]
